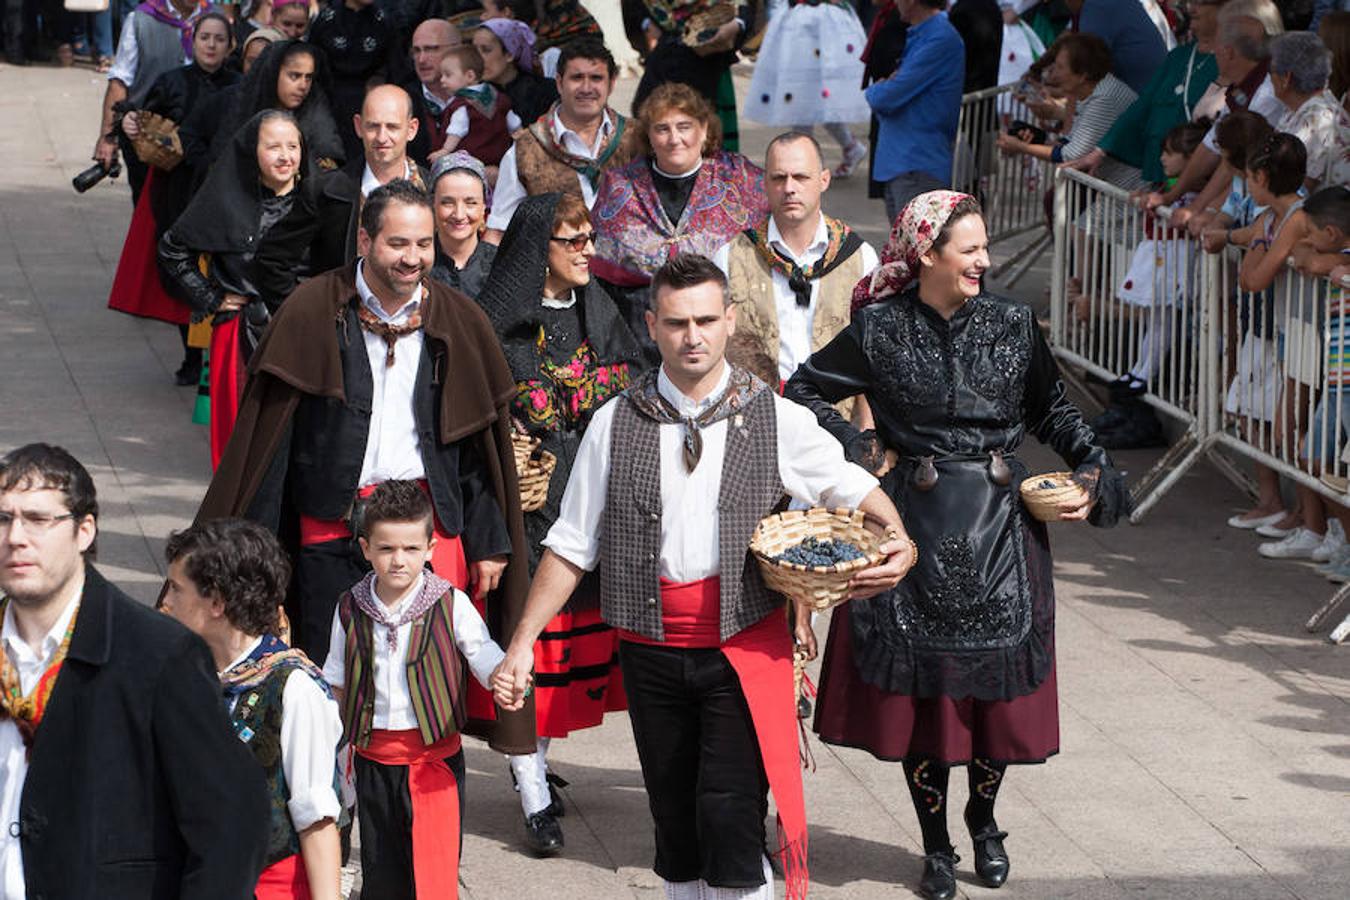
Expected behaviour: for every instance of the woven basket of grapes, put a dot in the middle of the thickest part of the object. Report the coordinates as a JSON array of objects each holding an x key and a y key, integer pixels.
[
  {"x": 534, "y": 467},
  {"x": 1046, "y": 495},
  {"x": 811, "y": 555}
]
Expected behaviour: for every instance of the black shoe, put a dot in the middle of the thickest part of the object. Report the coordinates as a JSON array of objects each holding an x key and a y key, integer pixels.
[
  {"x": 991, "y": 860},
  {"x": 1112, "y": 418},
  {"x": 555, "y": 806},
  {"x": 939, "y": 875},
  {"x": 543, "y": 834},
  {"x": 188, "y": 375}
]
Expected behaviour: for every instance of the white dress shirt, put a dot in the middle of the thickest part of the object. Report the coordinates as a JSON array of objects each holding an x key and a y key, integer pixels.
[
  {"x": 392, "y": 450},
  {"x": 311, "y": 728},
  {"x": 389, "y": 669},
  {"x": 13, "y": 756},
  {"x": 508, "y": 193},
  {"x": 369, "y": 182},
  {"x": 1264, "y": 103},
  {"x": 811, "y": 466},
  {"x": 794, "y": 322}
]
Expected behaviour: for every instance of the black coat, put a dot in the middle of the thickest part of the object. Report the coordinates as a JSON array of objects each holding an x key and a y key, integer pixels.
[
  {"x": 137, "y": 787},
  {"x": 339, "y": 202},
  {"x": 980, "y": 24}
]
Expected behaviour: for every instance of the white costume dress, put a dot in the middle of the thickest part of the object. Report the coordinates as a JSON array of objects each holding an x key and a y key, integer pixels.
[{"x": 809, "y": 70}]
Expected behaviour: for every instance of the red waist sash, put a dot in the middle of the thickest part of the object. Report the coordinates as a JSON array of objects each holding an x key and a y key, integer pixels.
[
  {"x": 761, "y": 655},
  {"x": 285, "y": 879},
  {"x": 435, "y": 805}
]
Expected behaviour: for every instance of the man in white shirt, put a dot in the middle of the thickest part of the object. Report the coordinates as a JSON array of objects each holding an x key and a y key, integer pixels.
[
  {"x": 792, "y": 274},
  {"x": 567, "y": 149},
  {"x": 700, "y": 452},
  {"x": 386, "y": 125},
  {"x": 110, "y": 716},
  {"x": 431, "y": 41}
]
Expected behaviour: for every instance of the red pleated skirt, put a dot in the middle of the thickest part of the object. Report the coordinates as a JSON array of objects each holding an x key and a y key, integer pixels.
[
  {"x": 226, "y": 374},
  {"x": 852, "y": 713},
  {"x": 136, "y": 288},
  {"x": 576, "y": 674}
]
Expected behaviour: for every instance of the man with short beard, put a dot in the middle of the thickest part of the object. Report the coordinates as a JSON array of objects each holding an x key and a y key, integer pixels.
[
  {"x": 432, "y": 40},
  {"x": 371, "y": 373},
  {"x": 386, "y": 124},
  {"x": 119, "y": 773}
]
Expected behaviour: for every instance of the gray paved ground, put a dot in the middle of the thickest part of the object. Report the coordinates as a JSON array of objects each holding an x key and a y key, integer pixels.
[{"x": 1206, "y": 736}]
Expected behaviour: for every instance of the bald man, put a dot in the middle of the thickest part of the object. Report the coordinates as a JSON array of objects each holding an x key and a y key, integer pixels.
[
  {"x": 385, "y": 125},
  {"x": 430, "y": 42}
]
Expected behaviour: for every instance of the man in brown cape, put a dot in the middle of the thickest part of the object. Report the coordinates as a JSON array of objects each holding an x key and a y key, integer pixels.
[{"x": 368, "y": 373}]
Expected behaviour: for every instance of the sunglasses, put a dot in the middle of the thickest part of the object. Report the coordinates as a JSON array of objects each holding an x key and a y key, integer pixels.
[{"x": 576, "y": 242}]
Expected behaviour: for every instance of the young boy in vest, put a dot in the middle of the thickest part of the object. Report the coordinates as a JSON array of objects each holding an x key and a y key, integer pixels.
[
  {"x": 226, "y": 580},
  {"x": 400, "y": 639},
  {"x": 478, "y": 119}
]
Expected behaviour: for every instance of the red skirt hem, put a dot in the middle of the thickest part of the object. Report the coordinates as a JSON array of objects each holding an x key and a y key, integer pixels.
[
  {"x": 136, "y": 288},
  {"x": 577, "y": 676}
]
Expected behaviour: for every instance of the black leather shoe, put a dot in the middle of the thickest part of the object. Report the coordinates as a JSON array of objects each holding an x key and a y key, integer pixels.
[
  {"x": 555, "y": 806},
  {"x": 188, "y": 375},
  {"x": 991, "y": 860},
  {"x": 939, "y": 875},
  {"x": 544, "y": 834}
]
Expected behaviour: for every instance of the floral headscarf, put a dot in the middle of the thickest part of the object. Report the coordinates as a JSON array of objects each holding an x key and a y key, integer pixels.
[
  {"x": 517, "y": 38},
  {"x": 911, "y": 237},
  {"x": 462, "y": 161}
]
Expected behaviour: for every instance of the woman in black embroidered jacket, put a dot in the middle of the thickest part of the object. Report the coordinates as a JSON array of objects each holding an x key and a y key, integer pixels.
[{"x": 956, "y": 665}]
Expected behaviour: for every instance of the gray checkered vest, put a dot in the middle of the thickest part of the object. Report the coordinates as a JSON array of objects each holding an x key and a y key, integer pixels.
[{"x": 630, "y": 571}]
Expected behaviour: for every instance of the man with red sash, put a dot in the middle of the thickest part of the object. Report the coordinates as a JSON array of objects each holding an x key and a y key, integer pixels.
[
  {"x": 400, "y": 640},
  {"x": 701, "y": 451},
  {"x": 370, "y": 373},
  {"x": 119, "y": 776}
]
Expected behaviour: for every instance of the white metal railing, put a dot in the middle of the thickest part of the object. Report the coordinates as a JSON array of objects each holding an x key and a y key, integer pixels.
[
  {"x": 1244, "y": 371},
  {"x": 1011, "y": 188}
]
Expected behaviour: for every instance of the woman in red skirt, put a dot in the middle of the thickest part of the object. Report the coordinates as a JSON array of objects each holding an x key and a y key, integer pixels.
[
  {"x": 570, "y": 351},
  {"x": 956, "y": 666}
]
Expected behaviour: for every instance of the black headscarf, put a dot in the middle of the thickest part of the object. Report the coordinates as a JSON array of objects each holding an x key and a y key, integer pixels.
[
  {"x": 258, "y": 92},
  {"x": 225, "y": 214},
  {"x": 514, "y": 290}
]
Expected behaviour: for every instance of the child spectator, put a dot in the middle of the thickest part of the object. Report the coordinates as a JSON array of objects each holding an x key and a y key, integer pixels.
[
  {"x": 478, "y": 119},
  {"x": 1325, "y": 251},
  {"x": 400, "y": 638},
  {"x": 1159, "y": 278},
  {"x": 226, "y": 581}
]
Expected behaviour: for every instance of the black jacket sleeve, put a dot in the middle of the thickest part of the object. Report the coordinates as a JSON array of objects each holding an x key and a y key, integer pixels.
[
  {"x": 215, "y": 787},
  {"x": 179, "y": 265},
  {"x": 837, "y": 371}
]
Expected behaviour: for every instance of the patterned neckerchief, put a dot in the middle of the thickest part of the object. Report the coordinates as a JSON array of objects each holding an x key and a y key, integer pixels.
[
  {"x": 270, "y": 654},
  {"x": 363, "y": 594},
  {"x": 27, "y": 710},
  {"x": 542, "y": 129},
  {"x": 387, "y": 330},
  {"x": 742, "y": 387},
  {"x": 838, "y": 249}
]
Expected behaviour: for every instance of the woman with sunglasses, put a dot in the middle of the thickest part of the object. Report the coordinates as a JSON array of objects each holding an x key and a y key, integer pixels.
[{"x": 569, "y": 351}]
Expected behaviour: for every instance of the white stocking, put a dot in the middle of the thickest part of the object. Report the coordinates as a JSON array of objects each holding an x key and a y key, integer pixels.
[
  {"x": 531, "y": 771},
  {"x": 684, "y": 890},
  {"x": 763, "y": 892}
]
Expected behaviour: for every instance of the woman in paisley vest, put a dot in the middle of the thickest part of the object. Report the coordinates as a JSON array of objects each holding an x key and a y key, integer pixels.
[
  {"x": 956, "y": 666},
  {"x": 461, "y": 199},
  {"x": 569, "y": 351},
  {"x": 226, "y": 581},
  {"x": 684, "y": 194}
]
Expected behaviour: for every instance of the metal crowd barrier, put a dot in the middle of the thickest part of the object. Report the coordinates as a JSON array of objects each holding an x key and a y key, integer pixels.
[
  {"x": 1010, "y": 188},
  {"x": 1244, "y": 372}
]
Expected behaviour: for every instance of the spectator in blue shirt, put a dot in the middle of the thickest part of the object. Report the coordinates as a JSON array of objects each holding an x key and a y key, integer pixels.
[
  {"x": 917, "y": 108},
  {"x": 1136, "y": 46}
]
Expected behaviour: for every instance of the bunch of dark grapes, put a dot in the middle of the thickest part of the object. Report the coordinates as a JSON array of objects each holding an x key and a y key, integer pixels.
[{"x": 815, "y": 552}]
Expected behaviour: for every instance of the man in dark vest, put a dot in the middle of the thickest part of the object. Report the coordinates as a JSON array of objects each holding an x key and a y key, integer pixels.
[
  {"x": 386, "y": 126},
  {"x": 566, "y": 149},
  {"x": 371, "y": 373},
  {"x": 700, "y": 451},
  {"x": 121, "y": 777}
]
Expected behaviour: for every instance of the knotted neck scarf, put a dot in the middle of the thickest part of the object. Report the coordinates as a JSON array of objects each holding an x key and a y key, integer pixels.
[
  {"x": 915, "y": 230},
  {"x": 433, "y": 589},
  {"x": 27, "y": 709},
  {"x": 388, "y": 331},
  {"x": 162, "y": 11},
  {"x": 841, "y": 244},
  {"x": 272, "y": 653},
  {"x": 741, "y": 388}
]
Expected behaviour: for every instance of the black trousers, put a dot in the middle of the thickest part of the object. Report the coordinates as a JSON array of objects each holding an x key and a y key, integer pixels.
[
  {"x": 384, "y": 810},
  {"x": 701, "y": 764},
  {"x": 322, "y": 573}
]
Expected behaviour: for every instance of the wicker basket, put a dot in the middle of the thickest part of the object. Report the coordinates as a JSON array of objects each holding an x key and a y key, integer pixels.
[
  {"x": 1044, "y": 502},
  {"x": 819, "y": 586},
  {"x": 157, "y": 144},
  {"x": 700, "y": 28},
  {"x": 534, "y": 467}
]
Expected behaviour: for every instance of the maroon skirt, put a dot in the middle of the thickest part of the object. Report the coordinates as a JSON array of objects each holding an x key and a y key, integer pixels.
[{"x": 852, "y": 713}]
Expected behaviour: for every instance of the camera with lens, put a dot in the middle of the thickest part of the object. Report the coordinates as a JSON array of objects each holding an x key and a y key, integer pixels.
[{"x": 94, "y": 174}]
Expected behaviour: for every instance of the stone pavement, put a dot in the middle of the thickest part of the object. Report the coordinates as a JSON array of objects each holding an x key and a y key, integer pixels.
[{"x": 1206, "y": 736}]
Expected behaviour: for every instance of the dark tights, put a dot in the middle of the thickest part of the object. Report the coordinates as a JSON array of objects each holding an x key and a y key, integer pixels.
[
  {"x": 192, "y": 356},
  {"x": 927, "y": 782}
]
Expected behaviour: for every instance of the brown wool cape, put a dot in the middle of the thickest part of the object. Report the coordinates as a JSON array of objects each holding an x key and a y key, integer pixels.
[{"x": 299, "y": 355}]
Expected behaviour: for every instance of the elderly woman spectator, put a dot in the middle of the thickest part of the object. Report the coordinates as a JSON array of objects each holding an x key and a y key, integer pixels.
[
  {"x": 461, "y": 199},
  {"x": 1300, "y": 70},
  {"x": 684, "y": 194},
  {"x": 507, "y": 48},
  {"x": 1081, "y": 72}
]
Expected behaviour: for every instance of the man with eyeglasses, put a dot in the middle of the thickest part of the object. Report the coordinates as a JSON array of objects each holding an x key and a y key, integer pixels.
[
  {"x": 432, "y": 40},
  {"x": 119, "y": 774}
]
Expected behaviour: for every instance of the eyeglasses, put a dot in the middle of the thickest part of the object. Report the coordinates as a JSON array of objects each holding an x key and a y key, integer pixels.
[
  {"x": 576, "y": 242},
  {"x": 35, "y": 523}
]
